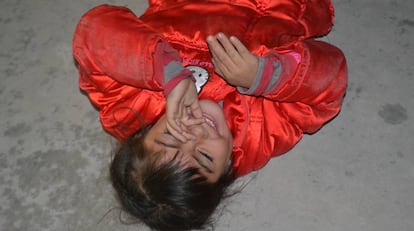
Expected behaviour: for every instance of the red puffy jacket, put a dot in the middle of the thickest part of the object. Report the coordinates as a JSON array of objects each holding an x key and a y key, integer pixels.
[{"x": 114, "y": 50}]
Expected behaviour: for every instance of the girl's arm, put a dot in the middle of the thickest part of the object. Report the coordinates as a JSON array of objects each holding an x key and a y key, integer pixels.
[
  {"x": 296, "y": 91},
  {"x": 308, "y": 80},
  {"x": 311, "y": 84},
  {"x": 112, "y": 41},
  {"x": 113, "y": 47}
]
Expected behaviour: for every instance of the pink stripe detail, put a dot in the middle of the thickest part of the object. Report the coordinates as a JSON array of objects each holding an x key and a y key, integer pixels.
[{"x": 295, "y": 55}]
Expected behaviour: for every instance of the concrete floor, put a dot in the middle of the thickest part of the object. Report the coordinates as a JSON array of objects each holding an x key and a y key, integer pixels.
[{"x": 355, "y": 174}]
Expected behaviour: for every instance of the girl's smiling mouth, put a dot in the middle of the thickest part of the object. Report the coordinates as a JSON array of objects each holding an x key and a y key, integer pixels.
[{"x": 210, "y": 120}]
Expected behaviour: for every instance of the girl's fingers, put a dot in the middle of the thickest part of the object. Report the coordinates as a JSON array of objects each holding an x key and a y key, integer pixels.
[
  {"x": 176, "y": 129},
  {"x": 192, "y": 121},
  {"x": 173, "y": 121},
  {"x": 222, "y": 68},
  {"x": 229, "y": 48},
  {"x": 173, "y": 118},
  {"x": 241, "y": 48},
  {"x": 214, "y": 45},
  {"x": 189, "y": 136},
  {"x": 182, "y": 134},
  {"x": 194, "y": 110},
  {"x": 178, "y": 117},
  {"x": 217, "y": 68},
  {"x": 219, "y": 53},
  {"x": 178, "y": 135},
  {"x": 193, "y": 116}
]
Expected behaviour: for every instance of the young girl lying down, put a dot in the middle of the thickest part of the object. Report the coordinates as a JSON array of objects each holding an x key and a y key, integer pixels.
[{"x": 199, "y": 93}]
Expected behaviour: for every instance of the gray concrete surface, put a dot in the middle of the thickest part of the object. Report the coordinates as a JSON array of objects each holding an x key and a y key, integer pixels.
[{"x": 355, "y": 174}]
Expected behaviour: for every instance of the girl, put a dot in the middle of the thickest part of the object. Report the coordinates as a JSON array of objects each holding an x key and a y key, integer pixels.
[{"x": 261, "y": 82}]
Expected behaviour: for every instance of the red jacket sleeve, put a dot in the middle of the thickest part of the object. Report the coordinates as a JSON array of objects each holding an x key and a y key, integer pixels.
[
  {"x": 112, "y": 41},
  {"x": 307, "y": 95},
  {"x": 311, "y": 93},
  {"x": 114, "y": 51},
  {"x": 125, "y": 67}
]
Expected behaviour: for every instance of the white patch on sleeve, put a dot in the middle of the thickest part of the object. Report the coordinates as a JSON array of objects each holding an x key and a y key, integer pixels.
[{"x": 201, "y": 76}]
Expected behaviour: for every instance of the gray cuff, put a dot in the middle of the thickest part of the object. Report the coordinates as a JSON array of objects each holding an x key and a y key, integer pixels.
[
  {"x": 256, "y": 82},
  {"x": 171, "y": 70},
  {"x": 275, "y": 76}
]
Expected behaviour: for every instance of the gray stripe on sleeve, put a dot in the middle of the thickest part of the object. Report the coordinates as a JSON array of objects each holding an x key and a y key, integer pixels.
[
  {"x": 275, "y": 76},
  {"x": 256, "y": 81},
  {"x": 171, "y": 70}
]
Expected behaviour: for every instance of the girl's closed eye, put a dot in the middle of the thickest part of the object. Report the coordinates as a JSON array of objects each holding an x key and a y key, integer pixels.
[
  {"x": 206, "y": 156},
  {"x": 202, "y": 164}
]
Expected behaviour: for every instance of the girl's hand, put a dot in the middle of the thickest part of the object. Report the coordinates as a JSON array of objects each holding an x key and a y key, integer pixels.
[
  {"x": 232, "y": 60},
  {"x": 183, "y": 109}
]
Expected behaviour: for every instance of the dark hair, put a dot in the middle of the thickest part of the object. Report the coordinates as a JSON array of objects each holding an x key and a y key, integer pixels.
[{"x": 164, "y": 195}]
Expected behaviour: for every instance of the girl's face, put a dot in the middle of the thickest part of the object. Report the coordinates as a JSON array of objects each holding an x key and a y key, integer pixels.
[{"x": 210, "y": 149}]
